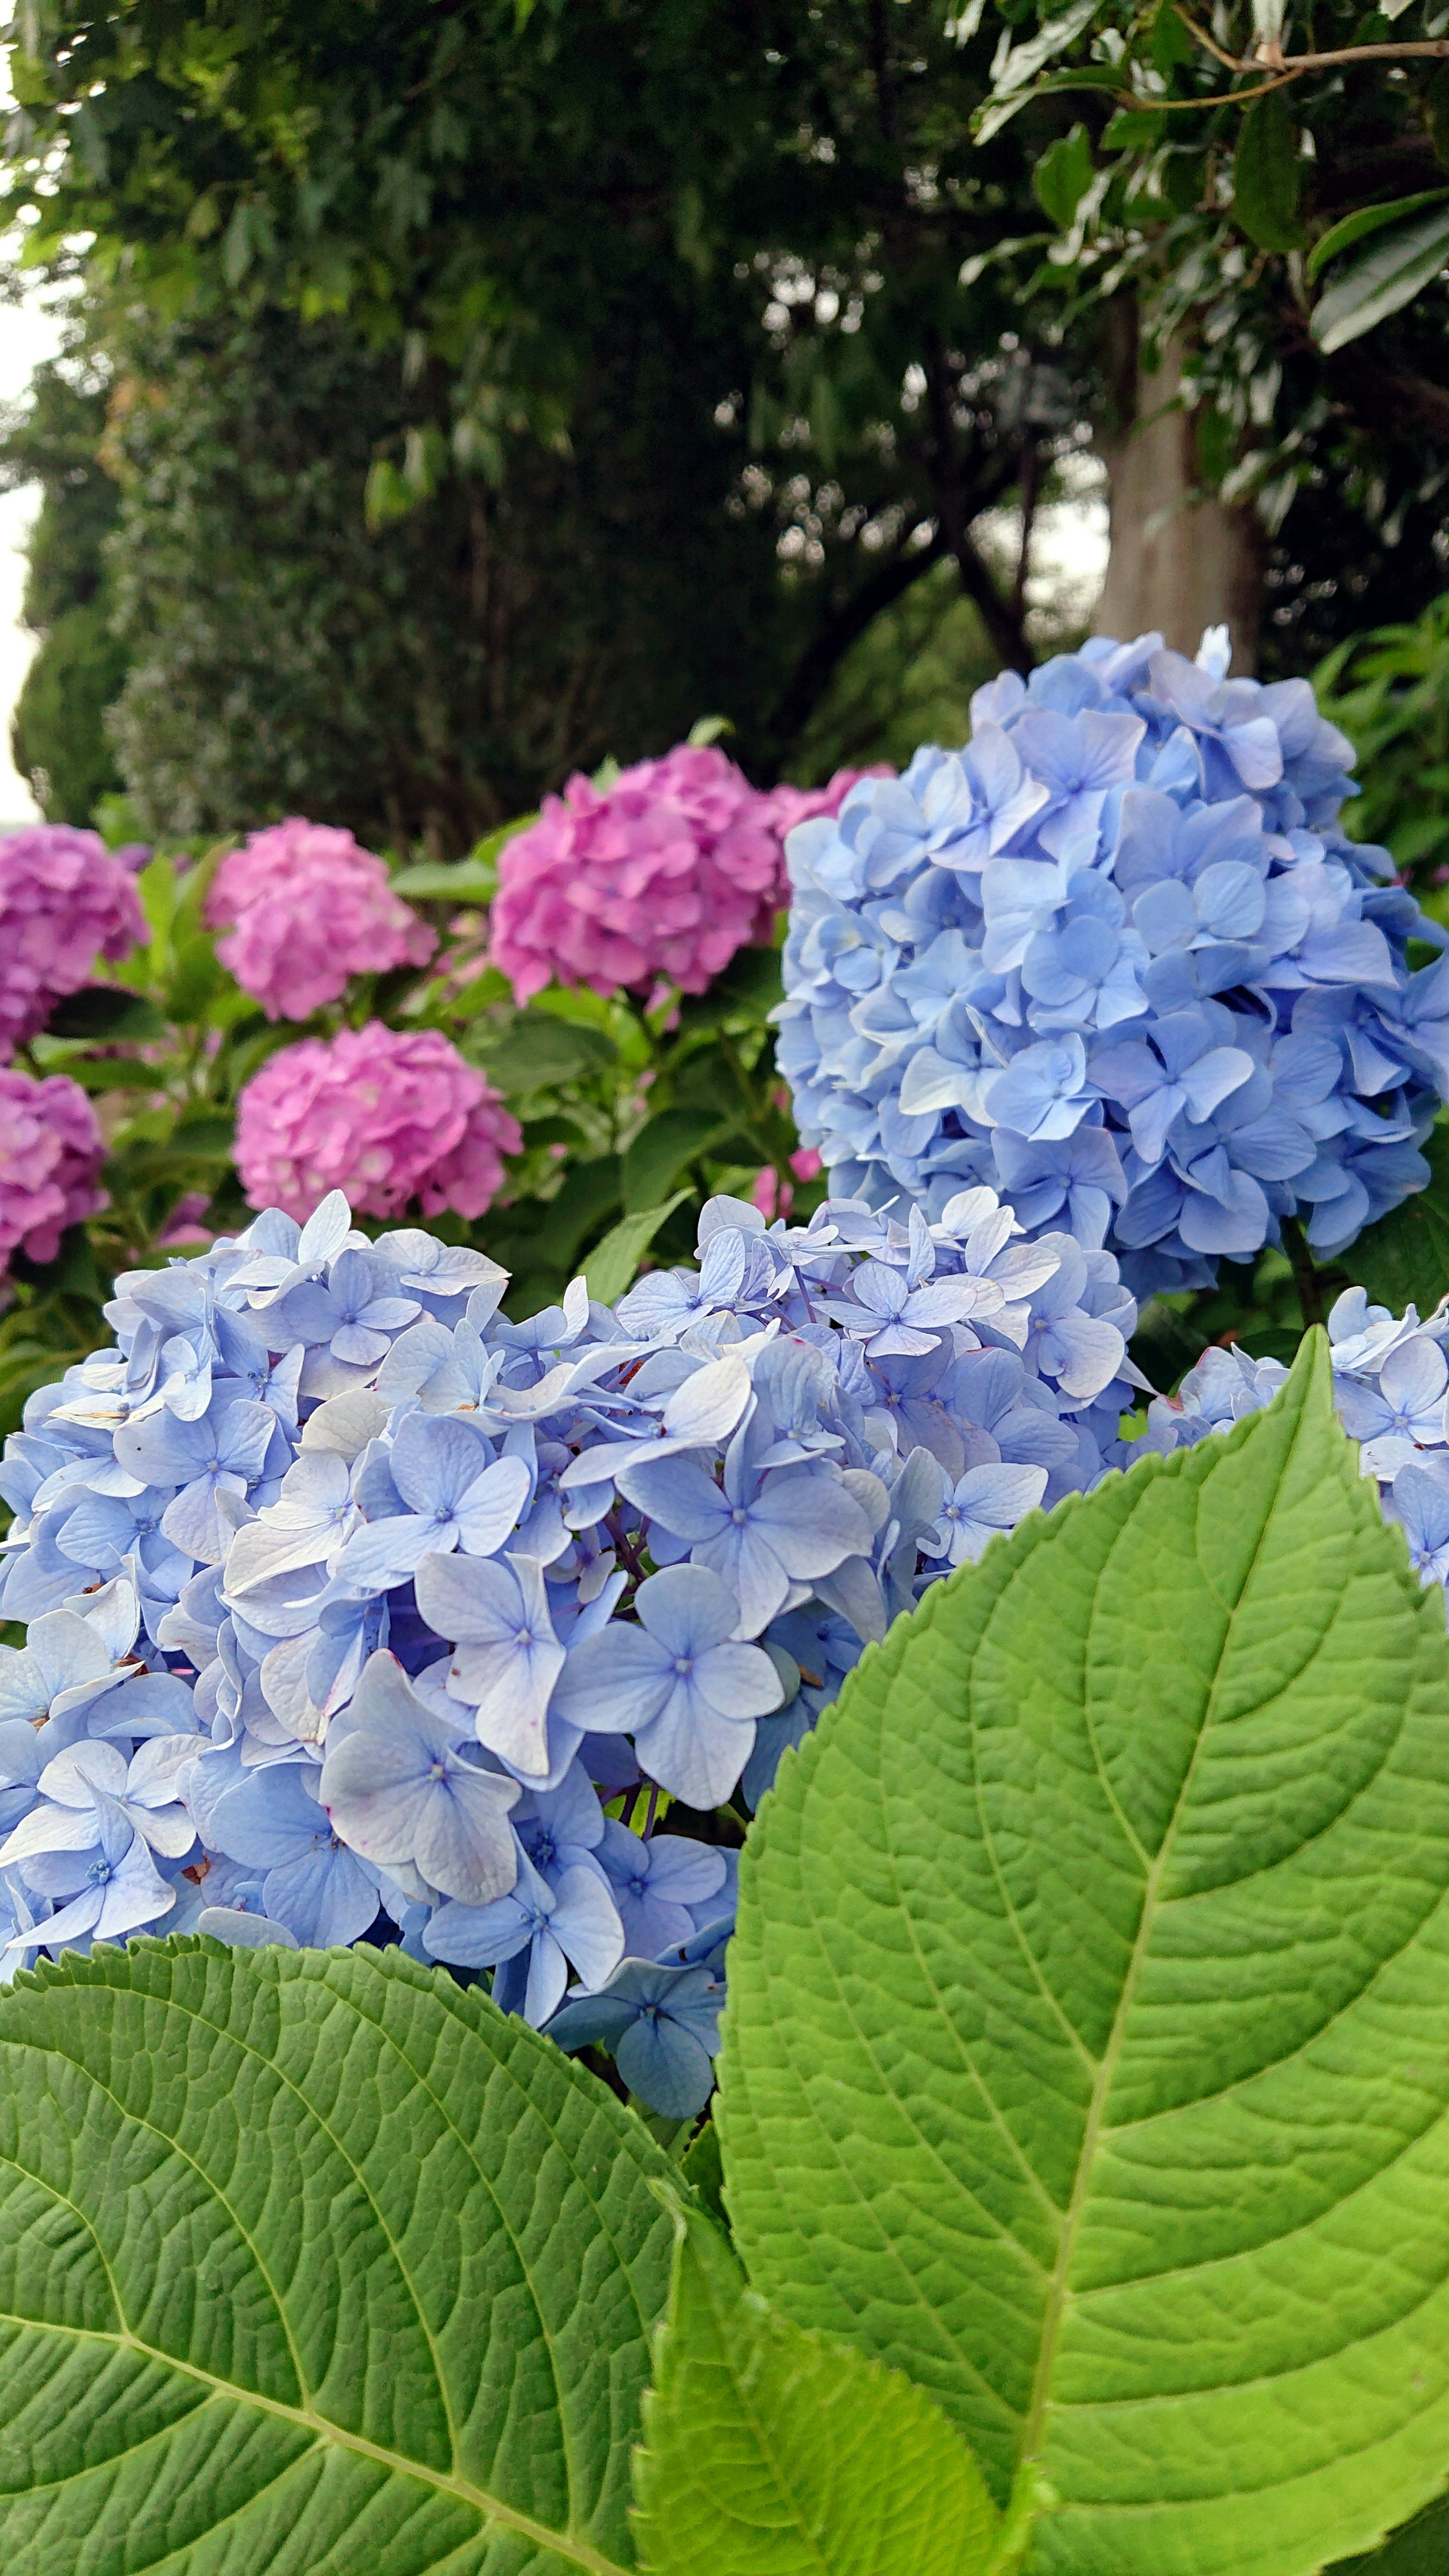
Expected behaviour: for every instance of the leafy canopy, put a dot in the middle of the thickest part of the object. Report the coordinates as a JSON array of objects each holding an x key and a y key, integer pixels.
[{"x": 1086, "y": 2049}]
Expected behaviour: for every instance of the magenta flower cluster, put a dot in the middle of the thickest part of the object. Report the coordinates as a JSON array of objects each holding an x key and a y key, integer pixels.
[
  {"x": 388, "y": 1115},
  {"x": 306, "y": 908},
  {"x": 657, "y": 879},
  {"x": 64, "y": 901},
  {"x": 50, "y": 1156}
]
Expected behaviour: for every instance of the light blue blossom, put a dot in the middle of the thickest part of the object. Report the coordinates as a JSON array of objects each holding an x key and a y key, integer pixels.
[
  {"x": 656, "y": 1884},
  {"x": 508, "y": 1657},
  {"x": 986, "y": 1501},
  {"x": 400, "y": 1787},
  {"x": 680, "y": 1682},
  {"x": 1181, "y": 898},
  {"x": 662, "y": 2025},
  {"x": 532, "y": 1937},
  {"x": 220, "y": 1453},
  {"x": 762, "y": 1530}
]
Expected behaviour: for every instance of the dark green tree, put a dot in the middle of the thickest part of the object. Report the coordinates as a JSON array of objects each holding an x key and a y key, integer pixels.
[
  {"x": 680, "y": 352},
  {"x": 58, "y": 733}
]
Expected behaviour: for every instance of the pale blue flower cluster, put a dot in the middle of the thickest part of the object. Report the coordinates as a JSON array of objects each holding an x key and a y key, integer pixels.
[
  {"x": 1118, "y": 960},
  {"x": 1390, "y": 1385},
  {"x": 357, "y": 1610}
]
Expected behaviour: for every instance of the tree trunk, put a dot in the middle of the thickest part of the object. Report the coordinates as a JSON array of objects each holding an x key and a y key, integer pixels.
[{"x": 1179, "y": 561}]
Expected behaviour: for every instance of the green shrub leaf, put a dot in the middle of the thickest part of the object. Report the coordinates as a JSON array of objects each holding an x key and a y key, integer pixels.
[
  {"x": 311, "y": 2262},
  {"x": 773, "y": 2452},
  {"x": 1265, "y": 174},
  {"x": 1403, "y": 257},
  {"x": 1087, "y": 2053},
  {"x": 1403, "y": 1260},
  {"x": 612, "y": 1263}
]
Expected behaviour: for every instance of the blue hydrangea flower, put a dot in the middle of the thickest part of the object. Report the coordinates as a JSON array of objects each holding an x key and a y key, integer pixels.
[
  {"x": 661, "y": 2025},
  {"x": 1162, "y": 992},
  {"x": 422, "y": 1617}
]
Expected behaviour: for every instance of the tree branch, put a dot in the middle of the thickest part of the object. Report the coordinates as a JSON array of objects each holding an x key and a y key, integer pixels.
[
  {"x": 822, "y": 657},
  {"x": 1004, "y": 628}
]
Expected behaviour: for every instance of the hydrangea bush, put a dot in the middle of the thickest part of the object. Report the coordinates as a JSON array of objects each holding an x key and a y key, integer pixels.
[
  {"x": 1118, "y": 960},
  {"x": 348, "y": 1598},
  {"x": 306, "y": 909}
]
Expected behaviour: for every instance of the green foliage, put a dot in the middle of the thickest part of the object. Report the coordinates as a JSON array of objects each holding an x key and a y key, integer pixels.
[
  {"x": 772, "y": 2452},
  {"x": 1266, "y": 173},
  {"x": 1389, "y": 690},
  {"x": 1088, "y": 2049},
  {"x": 1226, "y": 143},
  {"x": 1365, "y": 291},
  {"x": 637, "y": 382},
  {"x": 58, "y": 731},
  {"x": 1404, "y": 1259},
  {"x": 313, "y": 2263}
]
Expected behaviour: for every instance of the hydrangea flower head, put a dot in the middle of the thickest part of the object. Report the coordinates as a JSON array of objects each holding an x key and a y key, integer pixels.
[
  {"x": 50, "y": 1160},
  {"x": 65, "y": 900},
  {"x": 387, "y": 1115},
  {"x": 1118, "y": 960},
  {"x": 661, "y": 876},
  {"x": 306, "y": 908}
]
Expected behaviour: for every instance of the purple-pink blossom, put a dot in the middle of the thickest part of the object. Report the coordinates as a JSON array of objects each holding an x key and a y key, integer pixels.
[
  {"x": 658, "y": 878},
  {"x": 307, "y": 909},
  {"x": 50, "y": 1160},
  {"x": 387, "y": 1115},
  {"x": 64, "y": 901}
]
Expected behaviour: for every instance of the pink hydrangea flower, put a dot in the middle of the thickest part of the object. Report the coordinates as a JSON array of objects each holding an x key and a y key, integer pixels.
[
  {"x": 64, "y": 902},
  {"x": 50, "y": 1159},
  {"x": 309, "y": 908},
  {"x": 387, "y": 1115},
  {"x": 660, "y": 877}
]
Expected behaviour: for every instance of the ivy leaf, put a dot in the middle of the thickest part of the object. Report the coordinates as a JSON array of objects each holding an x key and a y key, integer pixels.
[
  {"x": 1087, "y": 2052},
  {"x": 612, "y": 1263},
  {"x": 1403, "y": 1260},
  {"x": 774, "y": 2452},
  {"x": 312, "y": 2262},
  {"x": 1404, "y": 257},
  {"x": 1265, "y": 175}
]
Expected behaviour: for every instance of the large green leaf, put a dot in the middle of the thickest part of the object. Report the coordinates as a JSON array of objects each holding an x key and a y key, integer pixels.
[
  {"x": 1404, "y": 1259},
  {"x": 1087, "y": 2052},
  {"x": 1265, "y": 174},
  {"x": 1366, "y": 290},
  {"x": 312, "y": 2264},
  {"x": 773, "y": 2452}
]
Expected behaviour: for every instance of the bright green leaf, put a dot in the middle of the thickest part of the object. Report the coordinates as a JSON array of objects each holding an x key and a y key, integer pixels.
[
  {"x": 1404, "y": 258},
  {"x": 1063, "y": 175},
  {"x": 461, "y": 883},
  {"x": 612, "y": 1264},
  {"x": 772, "y": 2452},
  {"x": 1087, "y": 2053},
  {"x": 1403, "y": 1260},
  {"x": 311, "y": 2262},
  {"x": 1368, "y": 219},
  {"x": 1265, "y": 174}
]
